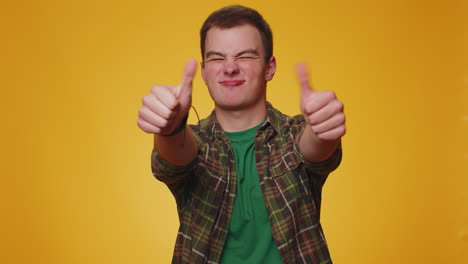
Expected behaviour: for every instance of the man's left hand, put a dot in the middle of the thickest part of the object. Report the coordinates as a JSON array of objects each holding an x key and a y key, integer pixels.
[{"x": 321, "y": 109}]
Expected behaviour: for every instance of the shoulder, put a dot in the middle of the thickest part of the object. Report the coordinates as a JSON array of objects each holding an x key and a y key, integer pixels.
[
  {"x": 203, "y": 127},
  {"x": 284, "y": 124}
]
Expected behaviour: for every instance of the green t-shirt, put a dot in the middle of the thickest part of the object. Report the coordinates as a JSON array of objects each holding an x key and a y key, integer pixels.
[{"x": 250, "y": 239}]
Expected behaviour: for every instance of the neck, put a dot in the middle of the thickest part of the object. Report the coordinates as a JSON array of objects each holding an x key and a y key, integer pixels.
[{"x": 239, "y": 120}]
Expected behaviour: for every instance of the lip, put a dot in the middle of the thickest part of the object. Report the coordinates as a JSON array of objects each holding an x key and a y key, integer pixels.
[{"x": 232, "y": 82}]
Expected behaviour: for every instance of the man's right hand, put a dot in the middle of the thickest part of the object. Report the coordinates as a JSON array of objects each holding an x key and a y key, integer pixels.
[{"x": 166, "y": 106}]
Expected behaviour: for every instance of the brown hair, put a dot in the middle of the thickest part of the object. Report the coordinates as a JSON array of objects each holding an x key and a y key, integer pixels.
[{"x": 237, "y": 15}]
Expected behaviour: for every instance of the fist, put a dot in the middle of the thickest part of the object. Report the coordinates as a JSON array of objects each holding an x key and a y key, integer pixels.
[
  {"x": 322, "y": 111},
  {"x": 166, "y": 106}
]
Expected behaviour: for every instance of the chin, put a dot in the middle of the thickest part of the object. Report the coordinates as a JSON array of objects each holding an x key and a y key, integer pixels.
[
  {"x": 236, "y": 106},
  {"x": 230, "y": 106}
]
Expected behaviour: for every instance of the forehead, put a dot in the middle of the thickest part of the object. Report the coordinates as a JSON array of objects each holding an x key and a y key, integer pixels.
[{"x": 234, "y": 39}]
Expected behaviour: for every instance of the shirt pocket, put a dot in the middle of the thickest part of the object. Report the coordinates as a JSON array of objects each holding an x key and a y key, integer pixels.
[
  {"x": 290, "y": 189},
  {"x": 289, "y": 179},
  {"x": 213, "y": 170}
]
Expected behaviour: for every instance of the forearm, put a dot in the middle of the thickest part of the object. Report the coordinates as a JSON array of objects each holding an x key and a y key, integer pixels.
[
  {"x": 180, "y": 149},
  {"x": 314, "y": 149}
]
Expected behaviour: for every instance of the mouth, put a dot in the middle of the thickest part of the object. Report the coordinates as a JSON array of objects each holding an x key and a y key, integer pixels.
[{"x": 232, "y": 82}]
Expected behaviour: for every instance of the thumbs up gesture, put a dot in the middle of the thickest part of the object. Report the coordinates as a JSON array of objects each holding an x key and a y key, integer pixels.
[
  {"x": 321, "y": 109},
  {"x": 165, "y": 108}
]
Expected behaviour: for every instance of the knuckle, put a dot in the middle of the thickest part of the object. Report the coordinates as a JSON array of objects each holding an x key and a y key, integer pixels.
[
  {"x": 340, "y": 131},
  {"x": 341, "y": 118},
  {"x": 172, "y": 115},
  {"x": 146, "y": 99},
  {"x": 164, "y": 123},
  {"x": 141, "y": 112},
  {"x": 141, "y": 124},
  {"x": 343, "y": 130},
  {"x": 330, "y": 94},
  {"x": 338, "y": 106},
  {"x": 166, "y": 114},
  {"x": 162, "y": 114},
  {"x": 172, "y": 102},
  {"x": 155, "y": 89}
]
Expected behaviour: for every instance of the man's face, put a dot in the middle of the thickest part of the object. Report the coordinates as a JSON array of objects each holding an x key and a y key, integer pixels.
[{"x": 234, "y": 67}]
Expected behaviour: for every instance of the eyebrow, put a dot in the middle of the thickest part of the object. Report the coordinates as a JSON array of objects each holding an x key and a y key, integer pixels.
[{"x": 250, "y": 51}]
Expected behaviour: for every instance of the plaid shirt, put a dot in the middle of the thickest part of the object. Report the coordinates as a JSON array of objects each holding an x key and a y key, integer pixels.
[{"x": 206, "y": 188}]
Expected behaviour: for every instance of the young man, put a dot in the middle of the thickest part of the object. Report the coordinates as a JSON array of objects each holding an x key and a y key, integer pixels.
[{"x": 247, "y": 179}]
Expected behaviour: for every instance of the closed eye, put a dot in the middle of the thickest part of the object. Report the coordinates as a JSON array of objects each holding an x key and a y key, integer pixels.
[{"x": 215, "y": 59}]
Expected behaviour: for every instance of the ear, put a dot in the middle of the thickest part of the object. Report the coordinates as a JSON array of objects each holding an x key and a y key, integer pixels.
[
  {"x": 270, "y": 69},
  {"x": 202, "y": 64}
]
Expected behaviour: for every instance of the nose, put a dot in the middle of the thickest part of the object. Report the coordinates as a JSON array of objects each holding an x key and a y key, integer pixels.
[{"x": 231, "y": 67}]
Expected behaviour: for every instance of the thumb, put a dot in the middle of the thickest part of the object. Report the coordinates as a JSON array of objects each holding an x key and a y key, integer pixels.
[
  {"x": 303, "y": 77},
  {"x": 189, "y": 73}
]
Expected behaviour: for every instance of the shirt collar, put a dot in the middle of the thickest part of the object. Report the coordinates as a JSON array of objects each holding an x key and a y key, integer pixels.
[{"x": 213, "y": 129}]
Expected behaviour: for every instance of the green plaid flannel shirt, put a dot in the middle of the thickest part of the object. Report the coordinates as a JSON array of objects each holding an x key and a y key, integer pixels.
[{"x": 205, "y": 191}]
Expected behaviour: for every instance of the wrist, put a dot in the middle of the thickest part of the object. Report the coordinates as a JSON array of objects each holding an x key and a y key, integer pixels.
[{"x": 179, "y": 128}]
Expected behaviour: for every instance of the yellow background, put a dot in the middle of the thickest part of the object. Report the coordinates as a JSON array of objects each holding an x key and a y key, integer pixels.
[{"x": 76, "y": 185}]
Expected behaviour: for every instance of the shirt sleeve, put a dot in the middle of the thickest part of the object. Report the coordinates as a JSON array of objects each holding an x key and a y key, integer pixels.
[
  {"x": 177, "y": 178},
  {"x": 319, "y": 169}
]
